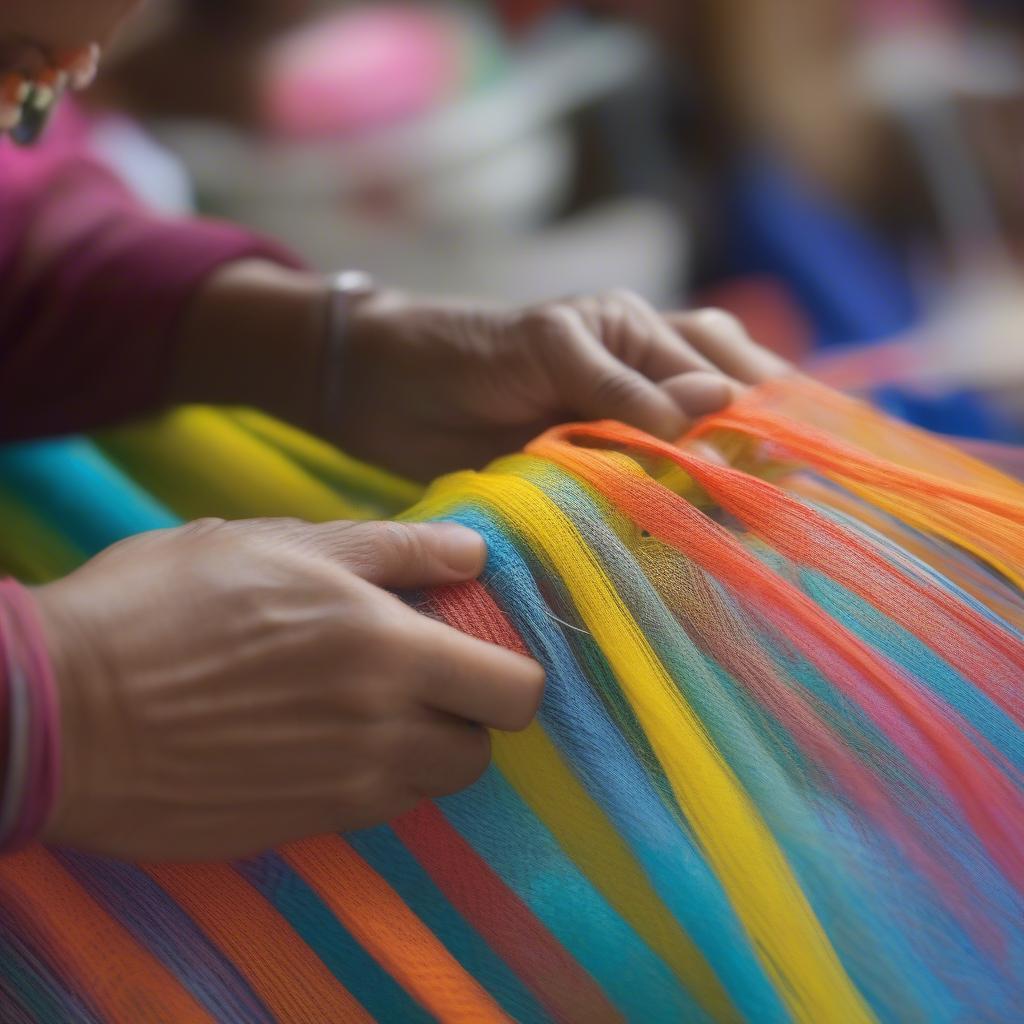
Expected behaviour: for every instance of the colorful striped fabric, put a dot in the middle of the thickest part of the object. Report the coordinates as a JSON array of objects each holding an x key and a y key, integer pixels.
[{"x": 777, "y": 775}]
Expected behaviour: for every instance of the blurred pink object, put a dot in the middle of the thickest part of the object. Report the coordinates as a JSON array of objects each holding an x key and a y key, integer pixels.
[
  {"x": 362, "y": 69},
  {"x": 884, "y": 14}
]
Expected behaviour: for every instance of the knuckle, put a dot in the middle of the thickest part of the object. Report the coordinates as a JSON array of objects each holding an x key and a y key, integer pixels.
[
  {"x": 364, "y": 545},
  {"x": 363, "y": 788},
  {"x": 285, "y": 527},
  {"x": 400, "y": 543},
  {"x": 720, "y": 321},
  {"x": 397, "y": 535},
  {"x": 202, "y": 527},
  {"x": 612, "y": 389},
  {"x": 623, "y": 297},
  {"x": 272, "y": 523},
  {"x": 340, "y": 540},
  {"x": 548, "y": 322}
]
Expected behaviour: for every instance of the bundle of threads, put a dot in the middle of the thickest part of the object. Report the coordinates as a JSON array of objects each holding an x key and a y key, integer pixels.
[
  {"x": 29, "y": 722},
  {"x": 27, "y": 98},
  {"x": 777, "y": 775}
]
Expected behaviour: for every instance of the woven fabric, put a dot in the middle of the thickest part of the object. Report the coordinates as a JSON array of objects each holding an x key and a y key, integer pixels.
[{"x": 777, "y": 774}]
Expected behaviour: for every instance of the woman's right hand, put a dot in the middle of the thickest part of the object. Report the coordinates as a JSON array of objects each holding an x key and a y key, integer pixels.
[{"x": 228, "y": 687}]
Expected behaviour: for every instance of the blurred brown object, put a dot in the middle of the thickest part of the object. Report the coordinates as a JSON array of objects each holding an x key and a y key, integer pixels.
[
  {"x": 994, "y": 128},
  {"x": 197, "y": 58},
  {"x": 780, "y": 73}
]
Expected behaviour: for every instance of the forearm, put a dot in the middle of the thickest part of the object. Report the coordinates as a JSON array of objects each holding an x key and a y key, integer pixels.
[
  {"x": 96, "y": 298},
  {"x": 254, "y": 335}
]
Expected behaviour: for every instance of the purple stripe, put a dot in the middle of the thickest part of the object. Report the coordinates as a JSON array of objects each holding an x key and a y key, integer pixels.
[
  {"x": 11, "y": 1012},
  {"x": 41, "y": 976},
  {"x": 156, "y": 921}
]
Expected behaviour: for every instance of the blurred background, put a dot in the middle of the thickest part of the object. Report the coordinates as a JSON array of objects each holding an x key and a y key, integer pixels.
[{"x": 847, "y": 176}]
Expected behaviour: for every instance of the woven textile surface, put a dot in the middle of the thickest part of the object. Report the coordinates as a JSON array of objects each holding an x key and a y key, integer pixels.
[{"x": 777, "y": 775}]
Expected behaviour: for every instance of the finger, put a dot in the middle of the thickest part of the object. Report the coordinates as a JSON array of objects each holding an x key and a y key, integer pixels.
[
  {"x": 652, "y": 346},
  {"x": 474, "y": 680},
  {"x": 723, "y": 340},
  {"x": 591, "y": 382},
  {"x": 700, "y": 394},
  {"x": 404, "y": 555},
  {"x": 444, "y": 755},
  {"x": 708, "y": 451}
]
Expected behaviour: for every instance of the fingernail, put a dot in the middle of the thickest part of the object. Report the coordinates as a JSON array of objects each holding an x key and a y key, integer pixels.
[
  {"x": 700, "y": 394},
  {"x": 709, "y": 397},
  {"x": 465, "y": 550}
]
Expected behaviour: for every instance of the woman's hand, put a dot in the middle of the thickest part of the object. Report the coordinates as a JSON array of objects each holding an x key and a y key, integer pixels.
[
  {"x": 432, "y": 387},
  {"x": 229, "y": 687}
]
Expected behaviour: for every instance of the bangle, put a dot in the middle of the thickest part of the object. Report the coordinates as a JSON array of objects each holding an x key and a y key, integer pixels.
[
  {"x": 5, "y": 727},
  {"x": 345, "y": 290},
  {"x": 31, "y": 782}
]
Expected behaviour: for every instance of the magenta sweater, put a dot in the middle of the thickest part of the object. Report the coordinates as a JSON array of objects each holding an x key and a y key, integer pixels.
[{"x": 92, "y": 287}]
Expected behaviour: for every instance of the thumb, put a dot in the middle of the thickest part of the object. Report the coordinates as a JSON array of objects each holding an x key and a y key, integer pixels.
[{"x": 404, "y": 555}]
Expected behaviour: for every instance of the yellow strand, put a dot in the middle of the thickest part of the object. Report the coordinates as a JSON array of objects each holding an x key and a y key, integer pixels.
[
  {"x": 199, "y": 463},
  {"x": 30, "y": 549},
  {"x": 533, "y": 766},
  {"x": 782, "y": 925}
]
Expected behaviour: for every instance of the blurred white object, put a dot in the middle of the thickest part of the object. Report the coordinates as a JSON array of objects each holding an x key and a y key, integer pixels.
[
  {"x": 977, "y": 337},
  {"x": 456, "y": 200},
  {"x": 918, "y": 74},
  {"x": 632, "y": 243},
  {"x": 973, "y": 339},
  {"x": 155, "y": 175},
  {"x": 247, "y": 176},
  {"x": 917, "y": 66}
]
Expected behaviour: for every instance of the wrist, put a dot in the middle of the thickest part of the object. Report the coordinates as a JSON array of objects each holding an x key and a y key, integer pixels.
[
  {"x": 254, "y": 337},
  {"x": 350, "y": 294}
]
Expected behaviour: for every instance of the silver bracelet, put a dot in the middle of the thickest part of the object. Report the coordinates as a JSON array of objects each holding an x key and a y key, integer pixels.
[{"x": 345, "y": 290}]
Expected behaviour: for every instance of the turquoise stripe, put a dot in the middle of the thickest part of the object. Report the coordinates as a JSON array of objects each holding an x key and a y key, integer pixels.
[
  {"x": 624, "y": 782},
  {"x": 73, "y": 487},
  {"x": 386, "y": 853},
  {"x": 504, "y": 831},
  {"x": 384, "y": 999}
]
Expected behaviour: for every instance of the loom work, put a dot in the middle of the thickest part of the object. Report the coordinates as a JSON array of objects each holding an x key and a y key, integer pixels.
[{"x": 778, "y": 774}]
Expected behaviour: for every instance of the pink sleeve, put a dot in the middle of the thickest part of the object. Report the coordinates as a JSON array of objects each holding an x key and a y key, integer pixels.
[{"x": 92, "y": 290}]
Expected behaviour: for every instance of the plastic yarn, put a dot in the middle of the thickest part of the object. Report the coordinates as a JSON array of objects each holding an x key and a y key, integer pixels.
[{"x": 778, "y": 774}]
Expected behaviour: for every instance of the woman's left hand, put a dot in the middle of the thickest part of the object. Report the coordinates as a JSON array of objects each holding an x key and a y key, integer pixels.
[{"x": 430, "y": 387}]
